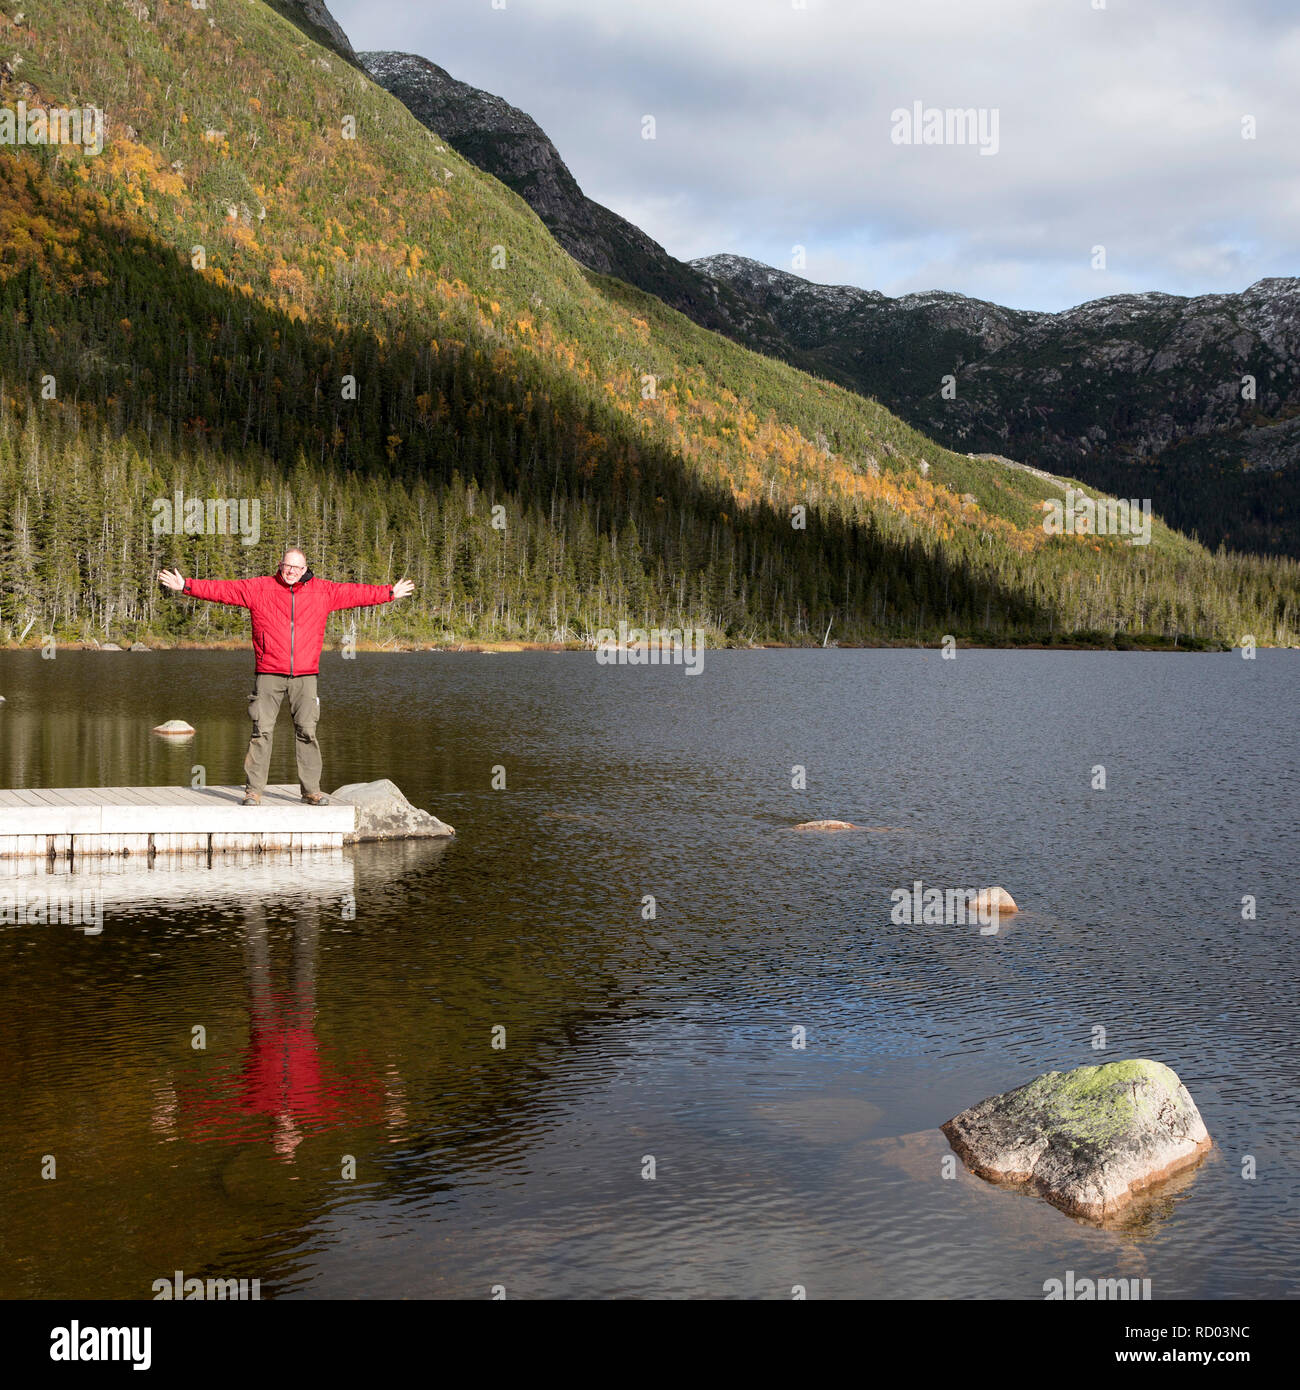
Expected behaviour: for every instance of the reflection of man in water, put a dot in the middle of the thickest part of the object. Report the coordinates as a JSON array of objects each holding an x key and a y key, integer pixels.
[
  {"x": 282, "y": 1068},
  {"x": 283, "y": 1075}
]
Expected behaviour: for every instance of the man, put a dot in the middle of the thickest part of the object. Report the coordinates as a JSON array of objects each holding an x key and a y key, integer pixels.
[{"x": 288, "y": 609}]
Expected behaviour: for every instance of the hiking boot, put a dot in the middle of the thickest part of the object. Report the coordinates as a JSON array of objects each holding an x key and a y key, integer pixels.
[
  {"x": 316, "y": 798},
  {"x": 252, "y": 799}
]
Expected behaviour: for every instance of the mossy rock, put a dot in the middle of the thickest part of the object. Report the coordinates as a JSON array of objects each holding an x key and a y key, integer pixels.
[{"x": 1087, "y": 1140}]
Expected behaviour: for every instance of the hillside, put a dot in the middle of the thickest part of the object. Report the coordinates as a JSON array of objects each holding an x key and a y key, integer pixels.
[{"x": 275, "y": 284}]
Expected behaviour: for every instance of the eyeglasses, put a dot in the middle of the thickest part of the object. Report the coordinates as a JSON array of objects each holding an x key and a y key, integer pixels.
[{"x": 292, "y": 569}]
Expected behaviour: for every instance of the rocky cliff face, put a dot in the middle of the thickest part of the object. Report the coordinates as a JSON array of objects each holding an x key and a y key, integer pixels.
[{"x": 315, "y": 20}]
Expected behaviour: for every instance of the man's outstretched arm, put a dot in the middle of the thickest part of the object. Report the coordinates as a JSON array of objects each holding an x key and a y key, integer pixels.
[
  {"x": 233, "y": 591},
  {"x": 366, "y": 595}
]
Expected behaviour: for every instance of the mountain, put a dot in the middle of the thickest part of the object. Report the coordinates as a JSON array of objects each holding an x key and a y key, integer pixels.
[
  {"x": 278, "y": 295},
  {"x": 1139, "y": 394},
  {"x": 512, "y": 147}
]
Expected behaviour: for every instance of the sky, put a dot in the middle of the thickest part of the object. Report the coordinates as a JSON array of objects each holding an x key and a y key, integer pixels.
[{"x": 1113, "y": 124}]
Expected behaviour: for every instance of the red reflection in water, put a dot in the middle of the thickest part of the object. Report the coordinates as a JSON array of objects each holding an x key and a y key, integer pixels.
[{"x": 282, "y": 1075}]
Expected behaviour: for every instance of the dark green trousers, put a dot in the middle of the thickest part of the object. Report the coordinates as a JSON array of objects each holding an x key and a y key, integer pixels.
[{"x": 263, "y": 709}]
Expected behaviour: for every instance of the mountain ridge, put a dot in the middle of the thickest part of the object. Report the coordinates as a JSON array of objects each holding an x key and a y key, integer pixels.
[{"x": 1192, "y": 400}]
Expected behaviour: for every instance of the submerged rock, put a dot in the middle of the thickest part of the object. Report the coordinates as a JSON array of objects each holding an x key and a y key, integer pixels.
[
  {"x": 821, "y": 1119},
  {"x": 826, "y": 825},
  {"x": 1087, "y": 1140},
  {"x": 174, "y": 726},
  {"x": 383, "y": 813}
]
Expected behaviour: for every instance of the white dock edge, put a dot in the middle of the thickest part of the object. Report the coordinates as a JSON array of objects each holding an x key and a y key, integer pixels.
[{"x": 71, "y": 822}]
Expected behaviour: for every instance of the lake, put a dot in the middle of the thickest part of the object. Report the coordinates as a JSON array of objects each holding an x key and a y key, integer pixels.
[{"x": 440, "y": 1069}]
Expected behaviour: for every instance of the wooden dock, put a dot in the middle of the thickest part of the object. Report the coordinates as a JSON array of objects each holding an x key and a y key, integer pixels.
[{"x": 72, "y": 822}]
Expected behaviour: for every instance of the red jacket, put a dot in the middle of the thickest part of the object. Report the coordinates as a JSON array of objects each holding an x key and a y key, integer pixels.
[{"x": 288, "y": 619}]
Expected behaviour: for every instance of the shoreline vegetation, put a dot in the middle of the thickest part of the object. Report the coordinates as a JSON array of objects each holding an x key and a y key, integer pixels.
[{"x": 1080, "y": 642}]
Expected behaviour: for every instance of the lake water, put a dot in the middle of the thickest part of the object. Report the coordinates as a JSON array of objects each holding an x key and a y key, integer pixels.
[{"x": 348, "y": 1002}]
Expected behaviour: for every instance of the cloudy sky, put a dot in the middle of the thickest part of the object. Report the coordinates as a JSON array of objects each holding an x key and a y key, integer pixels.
[{"x": 1120, "y": 127}]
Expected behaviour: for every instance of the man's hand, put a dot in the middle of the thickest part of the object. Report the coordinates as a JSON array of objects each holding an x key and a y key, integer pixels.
[
  {"x": 173, "y": 579},
  {"x": 403, "y": 587}
]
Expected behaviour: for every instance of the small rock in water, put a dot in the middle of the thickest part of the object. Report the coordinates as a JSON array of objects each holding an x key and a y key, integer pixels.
[
  {"x": 826, "y": 825},
  {"x": 383, "y": 813},
  {"x": 110, "y": 647},
  {"x": 995, "y": 900},
  {"x": 1087, "y": 1140},
  {"x": 139, "y": 647},
  {"x": 174, "y": 726}
]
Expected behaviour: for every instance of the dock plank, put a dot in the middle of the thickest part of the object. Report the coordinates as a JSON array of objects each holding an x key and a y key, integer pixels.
[
  {"x": 52, "y": 797},
  {"x": 101, "y": 796},
  {"x": 172, "y": 796},
  {"x": 138, "y": 796}
]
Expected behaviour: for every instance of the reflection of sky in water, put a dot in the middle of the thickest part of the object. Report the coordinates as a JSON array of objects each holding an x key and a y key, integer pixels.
[{"x": 333, "y": 1032}]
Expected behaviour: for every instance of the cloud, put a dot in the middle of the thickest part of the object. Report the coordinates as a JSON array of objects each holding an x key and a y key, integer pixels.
[{"x": 1119, "y": 127}]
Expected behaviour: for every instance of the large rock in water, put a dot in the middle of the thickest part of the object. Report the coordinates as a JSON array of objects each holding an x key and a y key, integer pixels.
[
  {"x": 994, "y": 900},
  {"x": 383, "y": 813},
  {"x": 1087, "y": 1139}
]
